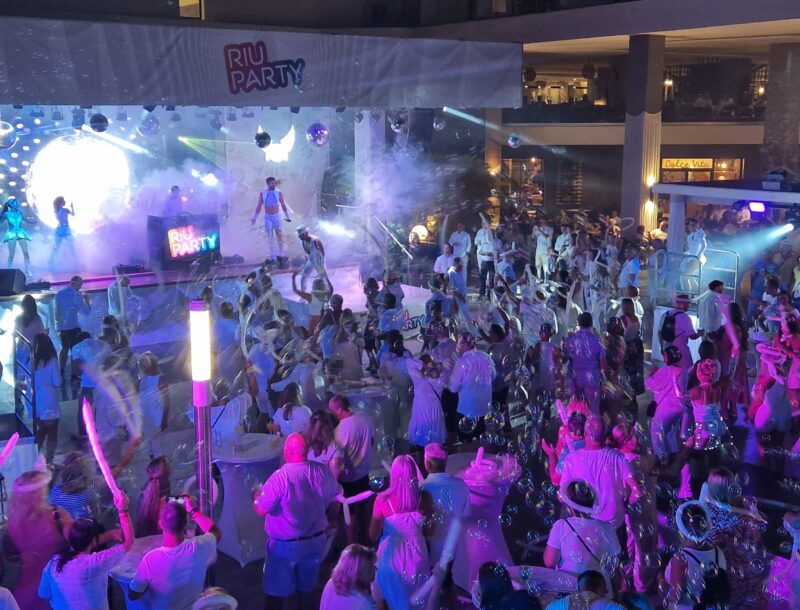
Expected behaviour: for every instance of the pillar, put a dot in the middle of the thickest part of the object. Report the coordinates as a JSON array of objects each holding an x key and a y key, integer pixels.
[
  {"x": 369, "y": 142},
  {"x": 677, "y": 224},
  {"x": 496, "y": 135},
  {"x": 782, "y": 119},
  {"x": 642, "y": 149}
]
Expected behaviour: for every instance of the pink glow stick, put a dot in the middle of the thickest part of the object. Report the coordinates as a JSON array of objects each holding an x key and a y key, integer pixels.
[
  {"x": 10, "y": 444},
  {"x": 97, "y": 448}
]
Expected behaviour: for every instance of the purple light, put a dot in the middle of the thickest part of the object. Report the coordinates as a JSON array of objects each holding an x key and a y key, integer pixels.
[{"x": 758, "y": 207}]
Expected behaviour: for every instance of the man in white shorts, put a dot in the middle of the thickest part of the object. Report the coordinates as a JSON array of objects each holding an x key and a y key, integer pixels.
[
  {"x": 272, "y": 200},
  {"x": 315, "y": 253}
]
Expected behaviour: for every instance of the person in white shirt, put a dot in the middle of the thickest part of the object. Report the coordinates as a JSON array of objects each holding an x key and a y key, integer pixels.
[
  {"x": 629, "y": 274},
  {"x": 462, "y": 246},
  {"x": 488, "y": 248},
  {"x": 76, "y": 578},
  {"x": 88, "y": 355},
  {"x": 300, "y": 506},
  {"x": 69, "y": 304},
  {"x": 173, "y": 575},
  {"x": 350, "y": 585},
  {"x": 710, "y": 308},
  {"x": 605, "y": 470},
  {"x": 291, "y": 415},
  {"x": 119, "y": 293},
  {"x": 472, "y": 378},
  {"x": 563, "y": 248},
  {"x": 696, "y": 245},
  {"x": 684, "y": 330},
  {"x": 580, "y": 542},
  {"x": 449, "y": 498},
  {"x": 444, "y": 261},
  {"x": 544, "y": 235},
  {"x": 660, "y": 233},
  {"x": 354, "y": 435}
]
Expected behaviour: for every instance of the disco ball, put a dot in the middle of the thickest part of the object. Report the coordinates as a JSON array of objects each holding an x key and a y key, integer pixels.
[
  {"x": 398, "y": 124},
  {"x": 98, "y": 122},
  {"x": 8, "y": 135},
  {"x": 149, "y": 126},
  {"x": 438, "y": 124},
  {"x": 263, "y": 139},
  {"x": 514, "y": 140},
  {"x": 317, "y": 134}
]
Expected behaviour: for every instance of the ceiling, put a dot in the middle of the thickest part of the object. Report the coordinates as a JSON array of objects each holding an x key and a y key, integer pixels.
[{"x": 743, "y": 40}]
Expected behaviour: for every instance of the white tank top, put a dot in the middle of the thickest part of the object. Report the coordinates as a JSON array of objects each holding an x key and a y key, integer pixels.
[{"x": 271, "y": 200}]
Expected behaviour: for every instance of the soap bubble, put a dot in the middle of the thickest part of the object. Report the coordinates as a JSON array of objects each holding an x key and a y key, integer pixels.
[{"x": 514, "y": 140}]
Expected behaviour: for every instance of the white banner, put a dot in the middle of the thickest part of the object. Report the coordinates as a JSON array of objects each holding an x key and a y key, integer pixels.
[{"x": 46, "y": 61}]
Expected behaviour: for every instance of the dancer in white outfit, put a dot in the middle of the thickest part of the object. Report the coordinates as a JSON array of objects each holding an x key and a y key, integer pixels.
[{"x": 427, "y": 415}]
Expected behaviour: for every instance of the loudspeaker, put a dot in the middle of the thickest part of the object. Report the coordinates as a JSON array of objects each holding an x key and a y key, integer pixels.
[{"x": 12, "y": 281}]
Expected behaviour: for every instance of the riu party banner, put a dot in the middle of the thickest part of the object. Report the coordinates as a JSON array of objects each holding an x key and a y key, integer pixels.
[{"x": 45, "y": 61}]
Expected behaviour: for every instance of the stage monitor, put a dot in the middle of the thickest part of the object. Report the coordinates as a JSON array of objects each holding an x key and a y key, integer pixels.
[{"x": 178, "y": 241}]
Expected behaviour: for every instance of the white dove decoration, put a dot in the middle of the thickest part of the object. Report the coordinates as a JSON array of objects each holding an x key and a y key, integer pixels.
[{"x": 278, "y": 152}]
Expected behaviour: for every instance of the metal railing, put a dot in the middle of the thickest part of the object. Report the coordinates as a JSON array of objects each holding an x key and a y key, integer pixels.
[
  {"x": 722, "y": 265},
  {"x": 26, "y": 394},
  {"x": 674, "y": 273}
]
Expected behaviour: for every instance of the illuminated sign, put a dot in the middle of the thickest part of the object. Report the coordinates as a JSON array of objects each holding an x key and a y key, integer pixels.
[
  {"x": 687, "y": 163},
  {"x": 185, "y": 241}
]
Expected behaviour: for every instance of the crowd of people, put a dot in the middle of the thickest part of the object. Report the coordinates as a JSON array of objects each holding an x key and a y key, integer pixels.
[{"x": 533, "y": 346}]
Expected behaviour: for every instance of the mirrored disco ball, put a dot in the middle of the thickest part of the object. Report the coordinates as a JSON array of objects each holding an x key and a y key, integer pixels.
[
  {"x": 8, "y": 135},
  {"x": 317, "y": 134},
  {"x": 98, "y": 122},
  {"x": 514, "y": 140},
  {"x": 148, "y": 127}
]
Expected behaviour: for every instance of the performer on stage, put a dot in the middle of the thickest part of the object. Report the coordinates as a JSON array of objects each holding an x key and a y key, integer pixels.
[
  {"x": 272, "y": 200},
  {"x": 315, "y": 252},
  {"x": 173, "y": 205},
  {"x": 62, "y": 233},
  {"x": 12, "y": 214}
]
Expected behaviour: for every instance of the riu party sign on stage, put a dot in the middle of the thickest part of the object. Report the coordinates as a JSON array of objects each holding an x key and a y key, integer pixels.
[
  {"x": 185, "y": 241},
  {"x": 249, "y": 68}
]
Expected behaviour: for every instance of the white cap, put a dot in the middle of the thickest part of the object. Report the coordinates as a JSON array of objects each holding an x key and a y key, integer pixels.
[{"x": 302, "y": 229}]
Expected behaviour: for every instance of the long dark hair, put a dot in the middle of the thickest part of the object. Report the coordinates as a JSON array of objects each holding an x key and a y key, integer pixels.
[
  {"x": 80, "y": 537},
  {"x": 29, "y": 311},
  {"x": 320, "y": 432},
  {"x": 289, "y": 398},
  {"x": 158, "y": 472},
  {"x": 737, "y": 319},
  {"x": 43, "y": 350}
]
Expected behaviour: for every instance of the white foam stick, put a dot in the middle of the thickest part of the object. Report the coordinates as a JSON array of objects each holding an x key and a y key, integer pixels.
[
  {"x": 434, "y": 583},
  {"x": 10, "y": 444},
  {"x": 346, "y": 502},
  {"x": 97, "y": 448}
]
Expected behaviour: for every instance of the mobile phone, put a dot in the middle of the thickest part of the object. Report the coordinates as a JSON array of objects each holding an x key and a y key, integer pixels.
[{"x": 179, "y": 499}]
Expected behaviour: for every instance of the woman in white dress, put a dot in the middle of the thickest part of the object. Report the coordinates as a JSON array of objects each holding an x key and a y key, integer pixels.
[
  {"x": 397, "y": 519},
  {"x": 427, "y": 415},
  {"x": 394, "y": 369},
  {"x": 292, "y": 415},
  {"x": 668, "y": 385},
  {"x": 349, "y": 587}
]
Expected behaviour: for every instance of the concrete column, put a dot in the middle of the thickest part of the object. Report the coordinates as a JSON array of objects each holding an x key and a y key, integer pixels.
[
  {"x": 369, "y": 143},
  {"x": 782, "y": 120},
  {"x": 496, "y": 136},
  {"x": 677, "y": 224},
  {"x": 642, "y": 151}
]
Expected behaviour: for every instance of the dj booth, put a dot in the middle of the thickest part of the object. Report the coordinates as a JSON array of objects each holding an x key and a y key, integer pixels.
[{"x": 177, "y": 242}]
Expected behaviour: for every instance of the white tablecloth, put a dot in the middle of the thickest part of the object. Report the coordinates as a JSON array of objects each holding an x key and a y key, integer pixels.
[
  {"x": 125, "y": 570},
  {"x": 243, "y": 537},
  {"x": 365, "y": 396},
  {"x": 482, "y": 538}
]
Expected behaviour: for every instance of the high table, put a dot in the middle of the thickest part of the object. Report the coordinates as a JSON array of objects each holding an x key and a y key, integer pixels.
[
  {"x": 124, "y": 572},
  {"x": 242, "y": 468},
  {"x": 365, "y": 395},
  {"x": 482, "y": 538}
]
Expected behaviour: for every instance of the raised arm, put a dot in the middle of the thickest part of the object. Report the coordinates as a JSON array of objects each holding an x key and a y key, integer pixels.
[
  {"x": 285, "y": 209},
  {"x": 306, "y": 296}
]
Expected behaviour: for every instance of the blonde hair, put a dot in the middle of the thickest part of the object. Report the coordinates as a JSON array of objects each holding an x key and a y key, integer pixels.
[
  {"x": 404, "y": 488},
  {"x": 354, "y": 571}
]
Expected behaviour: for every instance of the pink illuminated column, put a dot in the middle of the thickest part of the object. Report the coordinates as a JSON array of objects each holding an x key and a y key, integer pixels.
[{"x": 200, "y": 344}]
